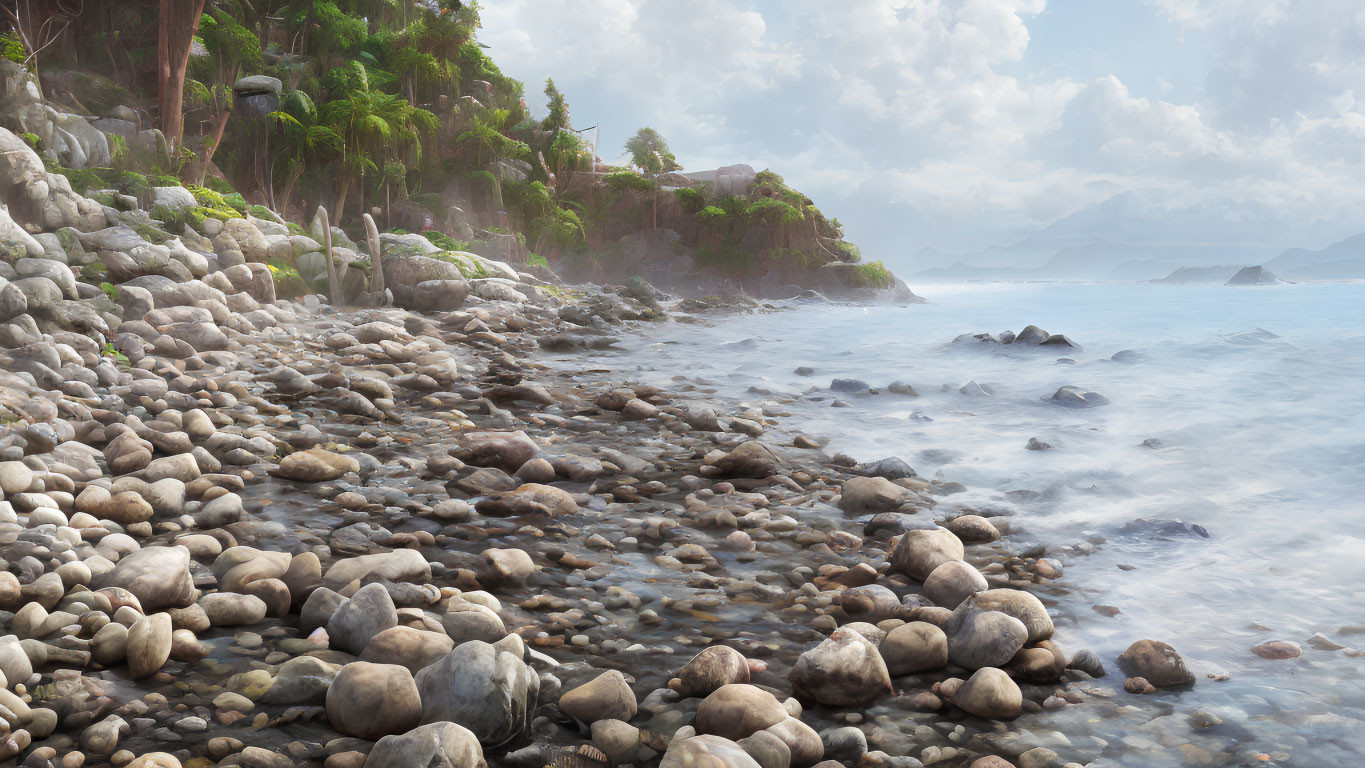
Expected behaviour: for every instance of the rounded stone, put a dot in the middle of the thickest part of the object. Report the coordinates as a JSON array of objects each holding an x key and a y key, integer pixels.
[
  {"x": 149, "y": 644},
  {"x": 990, "y": 693},
  {"x": 737, "y": 710},
  {"x": 605, "y": 697},
  {"x": 920, "y": 551},
  {"x": 713, "y": 667},
  {"x": 1157, "y": 662},
  {"x": 914, "y": 647},
  {"x": 845, "y": 670},
  {"x": 229, "y": 609},
  {"x": 953, "y": 582},
  {"x": 370, "y": 701}
]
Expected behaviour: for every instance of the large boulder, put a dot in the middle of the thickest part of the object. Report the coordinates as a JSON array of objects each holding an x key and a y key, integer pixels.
[
  {"x": 490, "y": 692},
  {"x": 158, "y": 576},
  {"x": 1022, "y": 605},
  {"x": 713, "y": 667},
  {"x": 738, "y": 710},
  {"x": 979, "y": 638},
  {"x": 369, "y": 612},
  {"x": 750, "y": 459},
  {"x": 1157, "y": 662},
  {"x": 845, "y": 670},
  {"x": 869, "y": 495},
  {"x": 370, "y": 701},
  {"x": 37, "y": 200},
  {"x": 917, "y": 646},
  {"x": 708, "y": 751},
  {"x": 919, "y": 552},
  {"x": 990, "y": 693},
  {"x": 605, "y": 697},
  {"x": 435, "y": 745}
]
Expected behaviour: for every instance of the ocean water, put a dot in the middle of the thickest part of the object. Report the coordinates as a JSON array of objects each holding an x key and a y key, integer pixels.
[{"x": 1252, "y": 405}]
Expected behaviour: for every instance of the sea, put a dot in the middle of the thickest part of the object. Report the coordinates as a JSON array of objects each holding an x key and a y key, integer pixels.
[{"x": 1215, "y": 502}]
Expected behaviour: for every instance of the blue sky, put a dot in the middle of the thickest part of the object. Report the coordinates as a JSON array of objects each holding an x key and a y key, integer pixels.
[{"x": 957, "y": 124}]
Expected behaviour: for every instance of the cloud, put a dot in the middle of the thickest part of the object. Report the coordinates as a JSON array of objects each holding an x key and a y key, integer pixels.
[{"x": 939, "y": 112}]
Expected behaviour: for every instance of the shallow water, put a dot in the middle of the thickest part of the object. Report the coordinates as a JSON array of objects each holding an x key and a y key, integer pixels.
[{"x": 1262, "y": 443}]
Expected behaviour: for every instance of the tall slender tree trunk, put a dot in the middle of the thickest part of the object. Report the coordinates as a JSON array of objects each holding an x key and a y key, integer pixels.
[{"x": 179, "y": 22}]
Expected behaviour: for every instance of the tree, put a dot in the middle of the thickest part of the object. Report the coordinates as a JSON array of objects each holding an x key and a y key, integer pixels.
[
  {"x": 559, "y": 109},
  {"x": 178, "y": 24},
  {"x": 649, "y": 152},
  {"x": 305, "y": 142}
]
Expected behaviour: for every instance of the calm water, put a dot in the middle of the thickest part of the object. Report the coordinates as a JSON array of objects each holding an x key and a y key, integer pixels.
[{"x": 1256, "y": 397}]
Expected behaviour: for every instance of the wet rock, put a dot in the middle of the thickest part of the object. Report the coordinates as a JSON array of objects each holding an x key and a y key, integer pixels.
[
  {"x": 410, "y": 647},
  {"x": 606, "y": 697},
  {"x": 1157, "y": 662},
  {"x": 750, "y": 459},
  {"x": 301, "y": 681},
  {"x": 618, "y": 740},
  {"x": 767, "y": 750},
  {"x": 706, "y": 750},
  {"x": 435, "y": 745},
  {"x": 396, "y": 566},
  {"x": 990, "y": 693},
  {"x": 148, "y": 644},
  {"x": 712, "y": 668},
  {"x": 991, "y": 761},
  {"x": 914, "y": 647},
  {"x": 802, "y": 741},
  {"x": 1278, "y": 650},
  {"x": 491, "y": 693},
  {"x": 973, "y": 529},
  {"x": 512, "y": 567},
  {"x": 370, "y": 701},
  {"x": 919, "y": 552},
  {"x": 843, "y": 671},
  {"x": 980, "y": 638},
  {"x": 369, "y": 612},
  {"x": 158, "y": 576},
  {"x": 315, "y": 465},
  {"x": 502, "y": 450},
  {"x": 1022, "y": 605},
  {"x": 227, "y": 609},
  {"x": 738, "y": 710},
  {"x": 1087, "y": 661},
  {"x": 870, "y": 495},
  {"x": 1138, "y": 685},
  {"x": 1076, "y": 397},
  {"x": 890, "y": 468},
  {"x": 953, "y": 582}
]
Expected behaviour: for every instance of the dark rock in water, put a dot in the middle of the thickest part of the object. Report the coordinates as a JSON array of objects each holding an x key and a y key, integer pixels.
[
  {"x": 805, "y": 370},
  {"x": 891, "y": 468},
  {"x": 972, "y": 389},
  {"x": 1254, "y": 276},
  {"x": 1058, "y": 340},
  {"x": 1008, "y": 337},
  {"x": 1087, "y": 661},
  {"x": 901, "y": 388},
  {"x": 1032, "y": 335},
  {"x": 1065, "y": 361},
  {"x": 1034, "y": 444},
  {"x": 1253, "y": 336},
  {"x": 1126, "y": 356},
  {"x": 1157, "y": 662},
  {"x": 843, "y": 460},
  {"x": 889, "y": 524},
  {"x": 1153, "y": 443},
  {"x": 1075, "y": 397},
  {"x": 849, "y": 385},
  {"x": 1166, "y": 529},
  {"x": 984, "y": 338}
]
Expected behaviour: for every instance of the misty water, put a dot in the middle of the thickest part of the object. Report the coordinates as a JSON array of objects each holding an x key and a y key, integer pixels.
[{"x": 1252, "y": 398}]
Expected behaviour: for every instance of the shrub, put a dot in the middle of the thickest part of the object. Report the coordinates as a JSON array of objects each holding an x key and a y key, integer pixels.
[
  {"x": 536, "y": 260},
  {"x": 875, "y": 275},
  {"x": 32, "y": 140},
  {"x": 622, "y": 181},
  {"x": 691, "y": 200}
]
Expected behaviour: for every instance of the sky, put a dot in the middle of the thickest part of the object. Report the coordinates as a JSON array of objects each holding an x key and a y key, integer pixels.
[{"x": 959, "y": 124}]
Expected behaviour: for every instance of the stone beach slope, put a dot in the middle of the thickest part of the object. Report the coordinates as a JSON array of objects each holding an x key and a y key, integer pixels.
[{"x": 243, "y": 531}]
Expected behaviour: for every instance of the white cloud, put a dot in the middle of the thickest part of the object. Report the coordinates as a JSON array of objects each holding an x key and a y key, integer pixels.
[{"x": 931, "y": 104}]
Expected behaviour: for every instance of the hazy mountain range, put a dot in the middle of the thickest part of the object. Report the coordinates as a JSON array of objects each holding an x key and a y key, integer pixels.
[{"x": 1124, "y": 239}]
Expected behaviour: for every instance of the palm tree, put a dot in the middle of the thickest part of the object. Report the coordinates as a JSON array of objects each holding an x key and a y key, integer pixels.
[
  {"x": 307, "y": 143},
  {"x": 375, "y": 128}
]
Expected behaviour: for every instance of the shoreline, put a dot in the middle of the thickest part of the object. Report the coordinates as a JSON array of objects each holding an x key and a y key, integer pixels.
[{"x": 688, "y": 548}]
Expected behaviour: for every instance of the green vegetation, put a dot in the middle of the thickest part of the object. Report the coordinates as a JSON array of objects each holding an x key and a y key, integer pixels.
[
  {"x": 32, "y": 140},
  {"x": 874, "y": 275},
  {"x": 649, "y": 152},
  {"x": 622, "y": 181}
]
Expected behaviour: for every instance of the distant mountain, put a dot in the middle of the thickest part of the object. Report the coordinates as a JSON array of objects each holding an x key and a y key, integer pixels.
[{"x": 1344, "y": 260}]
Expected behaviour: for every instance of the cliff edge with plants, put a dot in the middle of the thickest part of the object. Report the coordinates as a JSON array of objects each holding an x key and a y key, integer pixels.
[{"x": 208, "y": 110}]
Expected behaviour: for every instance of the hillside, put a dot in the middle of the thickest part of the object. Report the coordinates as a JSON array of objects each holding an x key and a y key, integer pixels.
[{"x": 213, "y": 109}]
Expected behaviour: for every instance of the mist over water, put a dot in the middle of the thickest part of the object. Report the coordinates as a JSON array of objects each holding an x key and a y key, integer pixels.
[{"x": 1255, "y": 397}]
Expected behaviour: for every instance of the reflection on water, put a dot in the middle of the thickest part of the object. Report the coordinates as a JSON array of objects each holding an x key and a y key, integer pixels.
[{"x": 1238, "y": 411}]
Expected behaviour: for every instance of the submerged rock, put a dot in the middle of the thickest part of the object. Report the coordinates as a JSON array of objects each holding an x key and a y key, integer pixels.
[
  {"x": 845, "y": 670},
  {"x": 1157, "y": 662}
]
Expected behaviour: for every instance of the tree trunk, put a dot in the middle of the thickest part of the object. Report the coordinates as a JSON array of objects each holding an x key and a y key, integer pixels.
[
  {"x": 341, "y": 198},
  {"x": 179, "y": 22}
]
